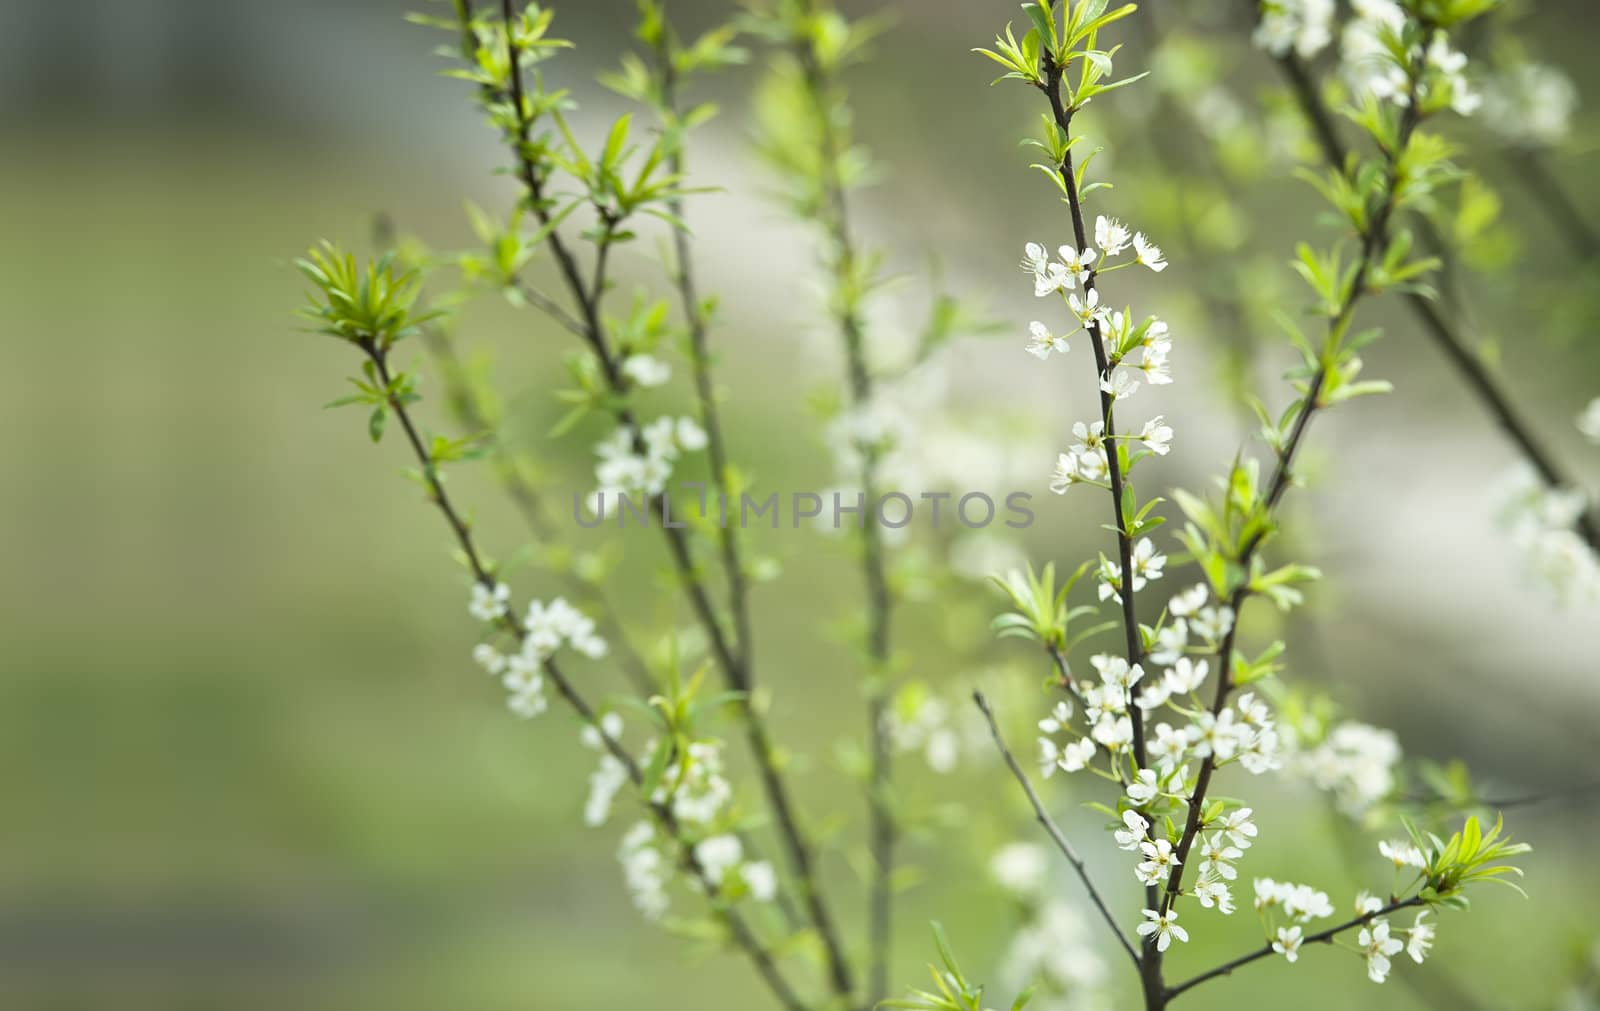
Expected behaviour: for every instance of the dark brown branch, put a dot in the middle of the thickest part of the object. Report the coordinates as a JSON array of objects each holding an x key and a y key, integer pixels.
[
  {"x": 1150, "y": 964},
  {"x": 1265, "y": 951},
  {"x": 1052, "y": 829}
]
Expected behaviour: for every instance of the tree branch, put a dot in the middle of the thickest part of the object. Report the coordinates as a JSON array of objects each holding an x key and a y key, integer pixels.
[
  {"x": 736, "y": 670},
  {"x": 1479, "y": 381},
  {"x": 883, "y": 830},
  {"x": 1321, "y": 937},
  {"x": 1054, "y": 831},
  {"x": 741, "y": 933}
]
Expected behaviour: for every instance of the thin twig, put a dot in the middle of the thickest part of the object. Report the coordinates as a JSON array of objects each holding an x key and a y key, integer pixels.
[
  {"x": 694, "y": 314},
  {"x": 1054, "y": 831},
  {"x": 1266, "y": 950},
  {"x": 883, "y": 830}
]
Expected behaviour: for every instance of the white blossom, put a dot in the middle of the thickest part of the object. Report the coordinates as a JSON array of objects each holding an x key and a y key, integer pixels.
[
  {"x": 489, "y": 603},
  {"x": 608, "y": 778},
  {"x": 1168, "y": 748},
  {"x": 1134, "y": 831},
  {"x": 1078, "y": 755},
  {"x": 1164, "y": 926},
  {"x": 1087, "y": 308},
  {"x": 1404, "y": 854},
  {"x": 489, "y": 658},
  {"x": 1188, "y": 601},
  {"x": 1217, "y": 856},
  {"x": 1049, "y": 757},
  {"x": 1156, "y": 436},
  {"x": 644, "y": 870},
  {"x": 1305, "y": 26},
  {"x": 1212, "y": 623},
  {"x": 1058, "y": 719},
  {"x": 1121, "y": 382},
  {"x": 1147, "y": 563},
  {"x": 1170, "y": 642},
  {"x": 718, "y": 855},
  {"x": 1047, "y": 277},
  {"x": 1159, "y": 860},
  {"x": 1148, "y": 253},
  {"x": 1238, "y": 827},
  {"x": 1078, "y": 264},
  {"x": 1020, "y": 868},
  {"x": 1212, "y": 892},
  {"x": 1110, "y": 235},
  {"x": 1043, "y": 343},
  {"x": 1356, "y": 763},
  {"x": 1144, "y": 788},
  {"x": 1377, "y": 946},
  {"x": 1419, "y": 938},
  {"x": 1589, "y": 421},
  {"x": 761, "y": 879},
  {"x": 1287, "y": 943},
  {"x": 646, "y": 370}
]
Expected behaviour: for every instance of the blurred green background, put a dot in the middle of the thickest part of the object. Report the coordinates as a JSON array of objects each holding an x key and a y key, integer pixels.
[{"x": 250, "y": 762}]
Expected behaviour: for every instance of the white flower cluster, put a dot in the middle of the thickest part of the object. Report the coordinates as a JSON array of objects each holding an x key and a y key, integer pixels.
[
  {"x": 1020, "y": 868},
  {"x": 698, "y": 794},
  {"x": 545, "y": 629},
  {"x": 722, "y": 859},
  {"x": 645, "y": 869},
  {"x": 646, "y": 370},
  {"x": 1052, "y": 949},
  {"x": 696, "y": 785},
  {"x": 1541, "y": 523},
  {"x": 624, "y": 469},
  {"x": 1087, "y": 461},
  {"x": 1377, "y": 941},
  {"x": 1370, "y": 67},
  {"x": 1355, "y": 762},
  {"x": 1242, "y": 732},
  {"x": 1305, "y": 26},
  {"x": 1530, "y": 104},
  {"x": 610, "y": 776},
  {"x": 1148, "y": 566},
  {"x": 924, "y": 724}
]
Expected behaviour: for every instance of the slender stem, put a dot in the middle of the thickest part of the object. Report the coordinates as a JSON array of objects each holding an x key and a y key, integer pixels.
[
  {"x": 1535, "y": 177},
  {"x": 1117, "y": 480},
  {"x": 738, "y": 929},
  {"x": 1054, "y": 831},
  {"x": 694, "y": 312},
  {"x": 1150, "y": 964},
  {"x": 883, "y": 830},
  {"x": 1265, "y": 951},
  {"x": 736, "y": 670},
  {"x": 1479, "y": 380}
]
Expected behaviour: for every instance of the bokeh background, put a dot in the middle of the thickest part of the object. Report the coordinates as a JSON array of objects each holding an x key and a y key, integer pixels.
[{"x": 248, "y": 762}]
